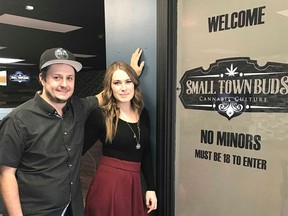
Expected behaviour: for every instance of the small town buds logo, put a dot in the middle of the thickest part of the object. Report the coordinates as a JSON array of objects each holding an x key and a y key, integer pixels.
[{"x": 233, "y": 86}]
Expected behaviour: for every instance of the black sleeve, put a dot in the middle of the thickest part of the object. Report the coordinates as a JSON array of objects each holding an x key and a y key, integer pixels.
[
  {"x": 147, "y": 162},
  {"x": 92, "y": 129}
]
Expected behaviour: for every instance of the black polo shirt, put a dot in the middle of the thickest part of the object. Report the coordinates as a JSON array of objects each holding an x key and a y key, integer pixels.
[{"x": 46, "y": 150}]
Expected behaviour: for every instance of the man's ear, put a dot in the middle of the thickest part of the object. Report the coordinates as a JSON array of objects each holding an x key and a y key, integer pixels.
[{"x": 41, "y": 79}]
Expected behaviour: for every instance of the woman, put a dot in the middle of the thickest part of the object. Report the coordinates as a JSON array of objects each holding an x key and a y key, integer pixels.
[{"x": 122, "y": 125}]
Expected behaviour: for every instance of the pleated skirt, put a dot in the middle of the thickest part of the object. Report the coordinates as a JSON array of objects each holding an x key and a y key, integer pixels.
[{"x": 115, "y": 190}]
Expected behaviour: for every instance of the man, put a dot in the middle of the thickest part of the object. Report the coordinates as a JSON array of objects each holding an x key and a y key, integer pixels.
[{"x": 41, "y": 142}]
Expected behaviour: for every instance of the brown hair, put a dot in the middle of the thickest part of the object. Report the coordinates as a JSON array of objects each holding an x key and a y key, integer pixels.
[{"x": 110, "y": 110}]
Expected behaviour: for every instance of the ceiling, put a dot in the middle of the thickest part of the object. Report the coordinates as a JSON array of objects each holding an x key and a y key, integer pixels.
[{"x": 81, "y": 26}]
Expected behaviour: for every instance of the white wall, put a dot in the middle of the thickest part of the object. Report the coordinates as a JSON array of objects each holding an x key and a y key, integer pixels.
[{"x": 4, "y": 112}]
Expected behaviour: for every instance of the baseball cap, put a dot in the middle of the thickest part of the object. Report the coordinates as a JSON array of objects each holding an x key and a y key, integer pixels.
[{"x": 58, "y": 56}]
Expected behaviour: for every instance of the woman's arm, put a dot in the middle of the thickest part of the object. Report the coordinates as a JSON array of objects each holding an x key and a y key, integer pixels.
[
  {"x": 92, "y": 129},
  {"x": 134, "y": 62},
  {"x": 147, "y": 168},
  {"x": 151, "y": 201}
]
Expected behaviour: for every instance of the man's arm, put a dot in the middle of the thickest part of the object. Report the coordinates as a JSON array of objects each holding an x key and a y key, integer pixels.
[
  {"x": 9, "y": 191},
  {"x": 134, "y": 62}
]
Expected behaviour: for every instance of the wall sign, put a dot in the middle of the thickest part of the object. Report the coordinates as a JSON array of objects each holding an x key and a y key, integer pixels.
[
  {"x": 19, "y": 77},
  {"x": 232, "y": 109},
  {"x": 233, "y": 86}
]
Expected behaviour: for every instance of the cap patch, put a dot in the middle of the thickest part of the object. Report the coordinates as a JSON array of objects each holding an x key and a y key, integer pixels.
[{"x": 61, "y": 54}]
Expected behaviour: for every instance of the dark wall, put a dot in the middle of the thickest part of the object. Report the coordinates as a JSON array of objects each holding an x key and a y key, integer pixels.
[
  {"x": 88, "y": 83},
  {"x": 15, "y": 92}
]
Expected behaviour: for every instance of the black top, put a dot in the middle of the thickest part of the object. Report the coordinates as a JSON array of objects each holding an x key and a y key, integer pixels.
[
  {"x": 46, "y": 150},
  {"x": 123, "y": 146}
]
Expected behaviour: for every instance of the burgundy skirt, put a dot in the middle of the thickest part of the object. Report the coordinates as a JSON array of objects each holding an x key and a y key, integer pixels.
[{"x": 116, "y": 190}]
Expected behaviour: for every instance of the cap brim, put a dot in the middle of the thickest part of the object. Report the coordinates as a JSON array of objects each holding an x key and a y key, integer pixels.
[{"x": 76, "y": 65}]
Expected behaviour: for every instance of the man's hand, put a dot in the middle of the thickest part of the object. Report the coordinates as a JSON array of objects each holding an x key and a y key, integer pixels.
[{"x": 134, "y": 62}]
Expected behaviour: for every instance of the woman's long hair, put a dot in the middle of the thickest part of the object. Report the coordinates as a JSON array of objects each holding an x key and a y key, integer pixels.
[{"x": 110, "y": 109}]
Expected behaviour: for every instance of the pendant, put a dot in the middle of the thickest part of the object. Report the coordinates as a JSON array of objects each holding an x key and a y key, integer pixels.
[{"x": 138, "y": 146}]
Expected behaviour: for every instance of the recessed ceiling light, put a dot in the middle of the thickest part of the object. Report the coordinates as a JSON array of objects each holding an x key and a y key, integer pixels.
[
  {"x": 29, "y": 7},
  {"x": 9, "y": 60}
]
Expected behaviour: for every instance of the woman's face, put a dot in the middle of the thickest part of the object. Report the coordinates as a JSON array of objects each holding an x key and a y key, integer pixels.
[{"x": 122, "y": 87}]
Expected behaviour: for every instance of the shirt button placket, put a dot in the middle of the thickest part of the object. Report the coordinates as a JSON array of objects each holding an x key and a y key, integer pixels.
[{"x": 69, "y": 164}]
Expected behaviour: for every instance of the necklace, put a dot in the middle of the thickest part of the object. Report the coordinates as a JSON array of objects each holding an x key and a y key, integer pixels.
[{"x": 138, "y": 145}]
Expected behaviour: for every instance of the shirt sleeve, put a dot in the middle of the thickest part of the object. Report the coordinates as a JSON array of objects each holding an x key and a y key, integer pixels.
[
  {"x": 12, "y": 142},
  {"x": 147, "y": 162},
  {"x": 92, "y": 129},
  {"x": 89, "y": 103}
]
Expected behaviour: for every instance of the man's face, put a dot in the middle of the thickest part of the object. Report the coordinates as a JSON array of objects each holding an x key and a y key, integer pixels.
[{"x": 59, "y": 84}]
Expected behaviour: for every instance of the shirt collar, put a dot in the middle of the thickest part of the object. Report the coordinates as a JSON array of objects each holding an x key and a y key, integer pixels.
[{"x": 46, "y": 107}]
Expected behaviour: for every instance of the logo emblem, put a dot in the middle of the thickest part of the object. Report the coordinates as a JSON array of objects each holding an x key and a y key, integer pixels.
[
  {"x": 61, "y": 54},
  {"x": 233, "y": 86},
  {"x": 19, "y": 77}
]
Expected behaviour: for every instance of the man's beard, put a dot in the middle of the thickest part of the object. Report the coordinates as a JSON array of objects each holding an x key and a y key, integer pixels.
[{"x": 55, "y": 99}]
